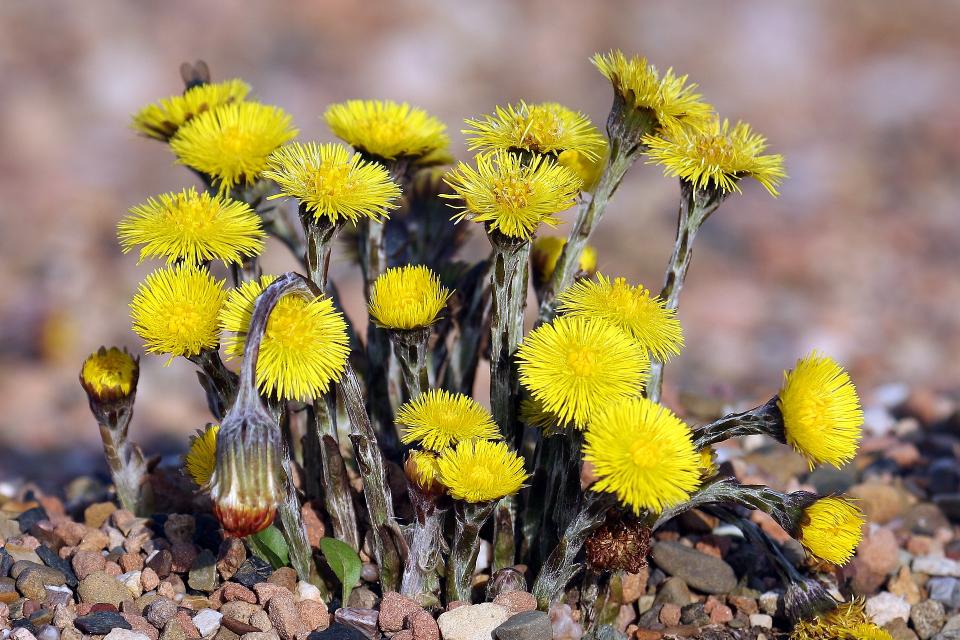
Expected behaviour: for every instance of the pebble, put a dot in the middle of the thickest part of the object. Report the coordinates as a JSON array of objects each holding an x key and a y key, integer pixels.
[
  {"x": 880, "y": 502},
  {"x": 230, "y": 557},
  {"x": 516, "y": 601},
  {"x": 528, "y": 625},
  {"x": 394, "y": 609},
  {"x": 363, "y": 620},
  {"x": 207, "y": 621},
  {"x": 32, "y": 581},
  {"x": 314, "y": 615},
  {"x": 203, "y": 574},
  {"x": 180, "y": 527},
  {"x": 472, "y": 622},
  {"x": 97, "y": 513},
  {"x": 160, "y": 612},
  {"x": 307, "y": 591},
  {"x": 670, "y": 614},
  {"x": 927, "y": 618},
  {"x": 102, "y": 587},
  {"x": 125, "y": 634},
  {"x": 101, "y": 622},
  {"x": 945, "y": 590},
  {"x": 252, "y": 571},
  {"x": 884, "y": 607},
  {"x": 52, "y": 560},
  {"x": 904, "y": 585},
  {"x": 877, "y": 557},
  {"x": 336, "y": 631},
  {"x": 936, "y": 566},
  {"x": 761, "y": 620},
  {"x": 284, "y": 617},
  {"x": 699, "y": 570}
]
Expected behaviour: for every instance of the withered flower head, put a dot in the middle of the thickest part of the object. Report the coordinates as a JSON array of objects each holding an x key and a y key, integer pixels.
[
  {"x": 806, "y": 599},
  {"x": 620, "y": 544}
]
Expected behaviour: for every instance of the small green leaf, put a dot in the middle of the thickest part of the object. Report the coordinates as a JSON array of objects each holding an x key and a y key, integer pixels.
[
  {"x": 270, "y": 545},
  {"x": 344, "y": 562}
]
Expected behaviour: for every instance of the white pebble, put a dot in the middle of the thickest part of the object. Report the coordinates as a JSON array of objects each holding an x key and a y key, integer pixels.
[
  {"x": 207, "y": 621},
  {"x": 761, "y": 620}
]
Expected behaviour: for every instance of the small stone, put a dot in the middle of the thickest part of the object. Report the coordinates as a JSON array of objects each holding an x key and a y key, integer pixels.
[
  {"x": 721, "y": 615},
  {"x": 261, "y": 620},
  {"x": 195, "y": 602},
  {"x": 266, "y": 591},
  {"x": 884, "y": 607},
  {"x": 877, "y": 556},
  {"x": 231, "y": 555},
  {"x": 96, "y": 514},
  {"x": 125, "y": 634},
  {"x": 695, "y": 614},
  {"x": 284, "y": 577},
  {"x": 186, "y": 623},
  {"x": 233, "y": 591},
  {"x": 252, "y": 571},
  {"x": 284, "y": 617},
  {"x": 944, "y": 590},
  {"x": 338, "y": 632},
  {"x": 19, "y": 552},
  {"x": 675, "y": 591},
  {"x": 670, "y": 614},
  {"x": 899, "y": 630},
  {"x": 516, "y": 601},
  {"x": 101, "y": 622},
  {"x": 131, "y": 562},
  {"x": 48, "y": 632},
  {"x": 161, "y": 563},
  {"x": 768, "y": 602},
  {"x": 207, "y": 621},
  {"x": 362, "y": 620},
  {"x": 528, "y": 625},
  {"x": 699, "y": 570},
  {"x": 423, "y": 626},
  {"x": 927, "y": 618},
  {"x": 160, "y": 612},
  {"x": 180, "y": 527},
  {"x": 747, "y": 606},
  {"x": 173, "y": 631},
  {"x": 361, "y": 598},
  {"x": 564, "y": 626},
  {"x": 101, "y": 587},
  {"x": 236, "y": 627},
  {"x": 472, "y": 622},
  {"x": 140, "y": 625},
  {"x": 924, "y": 518},
  {"x": 761, "y": 620},
  {"x": 94, "y": 540},
  {"x": 313, "y": 615},
  {"x": 307, "y": 591},
  {"x": 22, "y": 633},
  {"x": 70, "y": 532},
  {"x": 184, "y": 555},
  {"x": 634, "y": 585},
  {"x": 33, "y": 581},
  {"x": 54, "y": 561},
  {"x": 394, "y": 609},
  {"x": 131, "y": 581},
  {"x": 203, "y": 574},
  {"x": 313, "y": 524},
  {"x": 936, "y": 566},
  {"x": 905, "y": 586}
]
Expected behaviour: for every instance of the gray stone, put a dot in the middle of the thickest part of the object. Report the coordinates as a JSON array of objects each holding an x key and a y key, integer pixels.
[
  {"x": 673, "y": 591},
  {"x": 885, "y": 607},
  {"x": 101, "y": 622},
  {"x": 335, "y": 631},
  {"x": 33, "y": 581},
  {"x": 936, "y": 566},
  {"x": 529, "y": 625},
  {"x": 160, "y": 612},
  {"x": 207, "y": 621},
  {"x": 102, "y": 587},
  {"x": 700, "y": 571},
  {"x": 927, "y": 618},
  {"x": 203, "y": 574}
]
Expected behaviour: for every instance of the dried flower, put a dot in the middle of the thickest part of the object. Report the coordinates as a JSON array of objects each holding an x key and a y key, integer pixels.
[
  {"x": 574, "y": 366},
  {"x": 304, "y": 348},
  {"x": 831, "y": 529},
  {"x": 716, "y": 157},
  {"x": 331, "y": 182},
  {"x": 437, "y": 419},
  {"x": 620, "y": 544},
  {"x": 161, "y": 119},
  {"x": 192, "y": 227},
  {"x": 110, "y": 374},
  {"x": 643, "y": 453},
  {"x": 545, "y": 128},
  {"x": 821, "y": 411},
  {"x": 407, "y": 297},
  {"x": 481, "y": 471},
  {"x": 806, "y": 599},
  {"x": 231, "y": 144},
  {"x": 175, "y": 311},
  {"x": 386, "y": 129},
  {"x": 631, "y": 308},
  {"x": 201, "y": 458},
  {"x": 512, "y": 196},
  {"x": 546, "y": 251}
]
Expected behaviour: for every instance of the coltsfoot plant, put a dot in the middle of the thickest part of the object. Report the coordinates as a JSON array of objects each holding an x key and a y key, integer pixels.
[{"x": 575, "y": 464}]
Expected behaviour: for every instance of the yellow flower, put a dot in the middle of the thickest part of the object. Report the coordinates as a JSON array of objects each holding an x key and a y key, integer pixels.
[
  {"x": 304, "y": 348},
  {"x": 708, "y": 463},
  {"x": 545, "y": 253},
  {"x": 821, "y": 411},
  {"x": 848, "y": 621},
  {"x": 717, "y": 157},
  {"x": 332, "y": 182},
  {"x": 511, "y": 196},
  {"x": 422, "y": 469},
  {"x": 231, "y": 144},
  {"x": 587, "y": 169},
  {"x": 386, "y": 129},
  {"x": 192, "y": 227},
  {"x": 533, "y": 414},
  {"x": 175, "y": 311},
  {"x": 481, "y": 471},
  {"x": 575, "y": 366},
  {"x": 669, "y": 99},
  {"x": 631, "y": 308},
  {"x": 407, "y": 297},
  {"x": 547, "y": 128},
  {"x": 109, "y": 374},
  {"x": 831, "y": 529},
  {"x": 201, "y": 458},
  {"x": 438, "y": 419},
  {"x": 643, "y": 453},
  {"x": 162, "y": 119}
]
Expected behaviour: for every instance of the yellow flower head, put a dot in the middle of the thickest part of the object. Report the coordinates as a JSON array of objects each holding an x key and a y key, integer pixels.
[
  {"x": 201, "y": 458},
  {"x": 231, "y": 144},
  {"x": 407, "y": 297},
  {"x": 716, "y": 157},
  {"x": 575, "y": 366},
  {"x": 547, "y": 128},
  {"x": 438, "y": 419},
  {"x": 533, "y": 414},
  {"x": 587, "y": 169},
  {"x": 708, "y": 463},
  {"x": 821, "y": 411},
  {"x": 192, "y": 227},
  {"x": 848, "y": 621},
  {"x": 511, "y": 196},
  {"x": 831, "y": 529},
  {"x": 481, "y": 471},
  {"x": 386, "y": 129},
  {"x": 545, "y": 253},
  {"x": 175, "y": 311},
  {"x": 161, "y": 119},
  {"x": 110, "y": 373},
  {"x": 643, "y": 453},
  {"x": 304, "y": 348},
  {"x": 332, "y": 182},
  {"x": 670, "y": 99},
  {"x": 631, "y": 308},
  {"x": 422, "y": 469}
]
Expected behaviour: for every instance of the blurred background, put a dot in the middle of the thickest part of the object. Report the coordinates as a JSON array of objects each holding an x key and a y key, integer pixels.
[{"x": 858, "y": 257}]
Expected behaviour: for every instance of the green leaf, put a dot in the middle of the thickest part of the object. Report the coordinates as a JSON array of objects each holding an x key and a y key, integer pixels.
[
  {"x": 344, "y": 562},
  {"x": 270, "y": 545}
]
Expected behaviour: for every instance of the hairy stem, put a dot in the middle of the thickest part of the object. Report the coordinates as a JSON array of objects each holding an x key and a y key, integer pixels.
[
  {"x": 462, "y": 562},
  {"x": 421, "y": 574},
  {"x": 410, "y": 347},
  {"x": 219, "y": 382}
]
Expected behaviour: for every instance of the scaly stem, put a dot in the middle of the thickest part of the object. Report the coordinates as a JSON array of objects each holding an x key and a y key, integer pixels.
[
  {"x": 337, "y": 495},
  {"x": 320, "y": 234},
  {"x": 410, "y": 347},
  {"x": 294, "y": 530},
  {"x": 765, "y": 419},
  {"x": 421, "y": 575},
  {"x": 219, "y": 382},
  {"x": 462, "y": 562}
]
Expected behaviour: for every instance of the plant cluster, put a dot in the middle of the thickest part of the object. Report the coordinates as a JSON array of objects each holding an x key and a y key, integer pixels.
[{"x": 575, "y": 463}]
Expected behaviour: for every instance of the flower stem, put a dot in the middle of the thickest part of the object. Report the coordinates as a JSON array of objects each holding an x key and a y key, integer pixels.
[
  {"x": 462, "y": 562},
  {"x": 337, "y": 495},
  {"x": 219, "y": 382},
  {"x": 421, "y": 574},
  {"x": 410, "y": 347}
]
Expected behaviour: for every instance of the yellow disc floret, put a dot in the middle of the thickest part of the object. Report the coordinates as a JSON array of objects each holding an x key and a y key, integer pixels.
[
  {"x": 192, "y": 227},
  {"x": 407, "y": 297},
  {"x": 574, "y": 366},
  {"x": 481, "y": 470},
  {"x": 512, "y": 196},
  {"x": 437, "y": 419},
  {"x": 387, "y": 129},
  {"x": 231, "y": 144},
  {"x": 332, "y": 182},
  {"x": 175, "y": 311},
  {"x": 109, "y": 373},
  {"x": 642, "y": 453},
  {"x": 161, "y": 119},
  {"x": 831, "y": 529},
  {"x": 547, "y": 128},
  {"x": 631, "y": 308},
  {"x": 821, "y": 411},
  {"x": 201, "y": 458}
]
